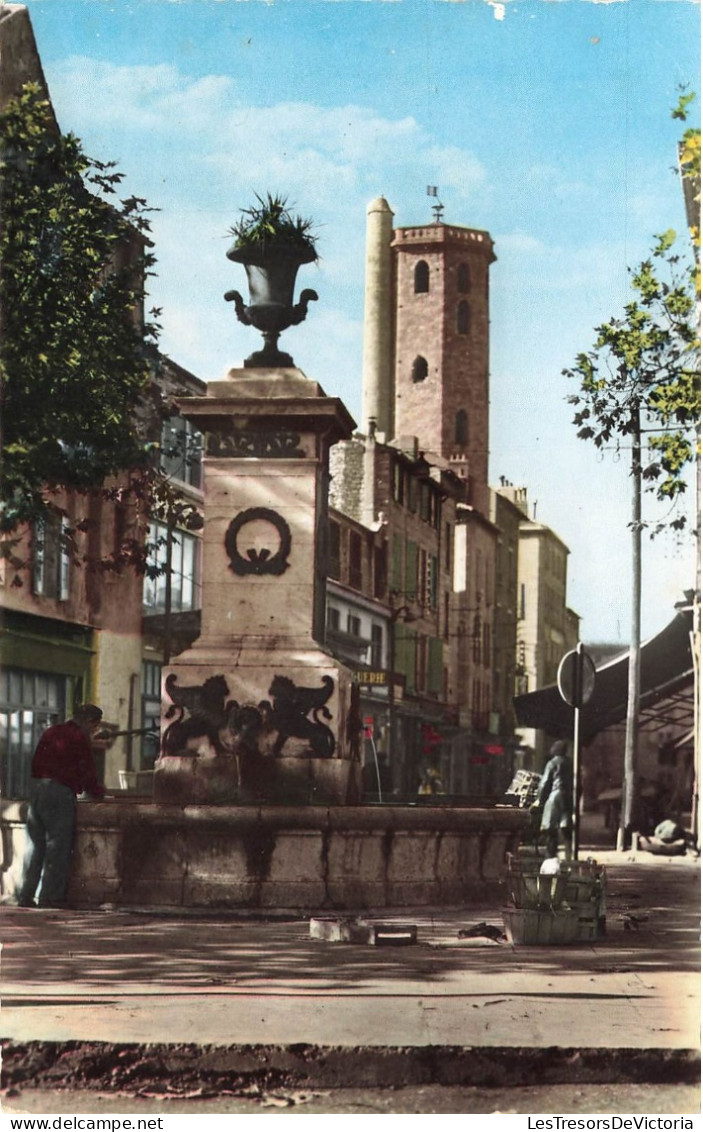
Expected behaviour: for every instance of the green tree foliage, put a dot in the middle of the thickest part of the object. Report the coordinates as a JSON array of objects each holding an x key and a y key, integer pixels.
[
  {"x": 75, "y": 356},
  {"x": 644, "y": 367}
]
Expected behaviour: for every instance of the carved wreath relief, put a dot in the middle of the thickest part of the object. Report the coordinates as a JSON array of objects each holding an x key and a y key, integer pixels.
[{"x": 258, "y": 559}]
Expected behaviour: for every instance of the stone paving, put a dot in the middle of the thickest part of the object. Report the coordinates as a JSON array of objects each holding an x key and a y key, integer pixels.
[{"x": 134, "y": 977}]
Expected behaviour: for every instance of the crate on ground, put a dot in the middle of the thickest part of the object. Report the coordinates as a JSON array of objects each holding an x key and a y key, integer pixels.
[
  {"x": 578, "y": 883},
  {"x": 535, "y": 927},
  {"x": 523, "y": 789},
  {"x": 559, "y": 908}
]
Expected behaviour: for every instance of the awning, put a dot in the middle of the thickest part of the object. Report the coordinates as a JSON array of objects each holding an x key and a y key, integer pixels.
[{"x": 666, "y": 688}]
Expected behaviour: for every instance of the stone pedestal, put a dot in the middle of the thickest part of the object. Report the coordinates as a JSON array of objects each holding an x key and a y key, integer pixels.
[{"x": 257, "y": 710}]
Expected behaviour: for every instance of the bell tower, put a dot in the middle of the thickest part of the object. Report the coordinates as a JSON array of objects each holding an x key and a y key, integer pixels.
[{"x": 441, "y": 355}]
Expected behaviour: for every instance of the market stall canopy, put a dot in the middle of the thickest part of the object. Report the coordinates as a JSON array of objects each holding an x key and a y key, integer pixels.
[{"x": 666, "y": 678}]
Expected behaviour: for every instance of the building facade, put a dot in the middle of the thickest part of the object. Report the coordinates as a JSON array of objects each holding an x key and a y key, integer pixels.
[{"x": 546, "y": 627}]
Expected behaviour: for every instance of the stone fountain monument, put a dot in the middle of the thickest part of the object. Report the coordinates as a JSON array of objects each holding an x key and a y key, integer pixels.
[
  {"x": 257, "y": 710},
  {"x": 257, "y": 788}
]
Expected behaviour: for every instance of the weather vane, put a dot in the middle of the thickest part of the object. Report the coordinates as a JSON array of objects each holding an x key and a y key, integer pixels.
[{"x": 437, "y": 208}]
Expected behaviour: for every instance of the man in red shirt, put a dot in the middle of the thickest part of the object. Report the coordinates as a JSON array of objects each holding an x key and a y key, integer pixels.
[{"x": 62, "y": 767}]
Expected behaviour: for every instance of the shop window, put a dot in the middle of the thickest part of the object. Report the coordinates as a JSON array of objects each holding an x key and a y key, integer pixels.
[
  {"x": 422, "y": 277},
  {"x": 151, "y": 712},
  {"x": 29, "y": 703}
]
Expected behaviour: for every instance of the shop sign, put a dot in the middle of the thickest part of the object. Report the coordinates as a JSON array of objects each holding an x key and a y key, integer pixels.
[{"x": 368, "y": 676}]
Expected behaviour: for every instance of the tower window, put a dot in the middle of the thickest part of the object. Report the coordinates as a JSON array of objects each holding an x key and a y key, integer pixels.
[
  {"x": 462, "y": 317},
  {"x": 461, "y": 429},
  {"x": 422, "y": 277},
  {"x": 462, "y": 278},
  {"x": 420, "y": 369}
]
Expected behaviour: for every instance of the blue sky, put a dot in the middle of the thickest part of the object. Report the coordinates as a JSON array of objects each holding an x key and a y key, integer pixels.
[{"x": 546, "y": 122}]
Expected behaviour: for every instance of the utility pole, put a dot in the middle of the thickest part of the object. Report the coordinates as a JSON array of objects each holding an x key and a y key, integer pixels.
[{"x": 629, "y": 808}]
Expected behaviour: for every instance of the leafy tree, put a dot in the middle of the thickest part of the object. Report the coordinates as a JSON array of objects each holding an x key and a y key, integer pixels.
[
  {"x": 76, "y": 356},
  {"x": 643, "y": 373}
]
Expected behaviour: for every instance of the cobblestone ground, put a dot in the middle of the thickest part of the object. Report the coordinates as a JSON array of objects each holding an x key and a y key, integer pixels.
[{"x": 566, "y": 1100}]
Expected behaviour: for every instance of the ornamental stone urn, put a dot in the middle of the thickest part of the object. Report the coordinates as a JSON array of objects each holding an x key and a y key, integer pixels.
[{"x": 271, "y": 245}]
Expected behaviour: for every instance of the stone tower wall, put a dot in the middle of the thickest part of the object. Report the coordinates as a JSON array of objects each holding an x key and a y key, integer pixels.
[{"x": 447, "y": 408}]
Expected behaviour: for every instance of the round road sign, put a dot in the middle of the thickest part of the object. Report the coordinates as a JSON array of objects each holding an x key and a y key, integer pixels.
[{"x": 576, "y": 678}]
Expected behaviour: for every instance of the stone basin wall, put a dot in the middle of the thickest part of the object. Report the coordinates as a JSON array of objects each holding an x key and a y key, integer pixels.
[{"x": 134, "y": 853}]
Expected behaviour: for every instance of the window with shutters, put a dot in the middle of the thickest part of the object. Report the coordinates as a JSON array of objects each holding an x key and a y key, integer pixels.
[
  {"x": 355, "y": 560},
  {"x": 433, "y": 582},
  {"x": 334, "y": 565},
  {"x": 435, "y": 674},
  {"x": 412, "y": 494},
  {"x": 411, "y": 567},
  {"x": 51, "y": 560},
  {"x": 421, "y": 663},
  {"x": 380, "y": 570},
  {"x": 376, "y": 646},
  {"x": 397, "y": 564},
  {"x": 421, "y": 583},
  {"x": 405, "y": 654},
  {"x": 398, "y": 483}
]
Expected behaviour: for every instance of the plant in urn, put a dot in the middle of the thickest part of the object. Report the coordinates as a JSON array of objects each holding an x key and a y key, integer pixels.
[{"x": 272, "y": 244}]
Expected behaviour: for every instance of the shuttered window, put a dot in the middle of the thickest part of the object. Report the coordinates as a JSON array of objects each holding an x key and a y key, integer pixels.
[
  {"x": 411, "y": 561},
  {"x": 435, "y": 675}
]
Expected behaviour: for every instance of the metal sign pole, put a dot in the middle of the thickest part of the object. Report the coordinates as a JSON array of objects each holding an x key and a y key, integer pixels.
[
  {"x": 576, "y": 681},
  {"x": 576, "y": 790}
]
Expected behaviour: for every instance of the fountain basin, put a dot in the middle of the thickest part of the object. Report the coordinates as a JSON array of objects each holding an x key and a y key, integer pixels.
[{"x": 138, "y": 853}]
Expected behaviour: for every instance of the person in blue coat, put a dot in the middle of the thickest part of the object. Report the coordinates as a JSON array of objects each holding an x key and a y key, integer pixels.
[{"x": 554, "y": 798}]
